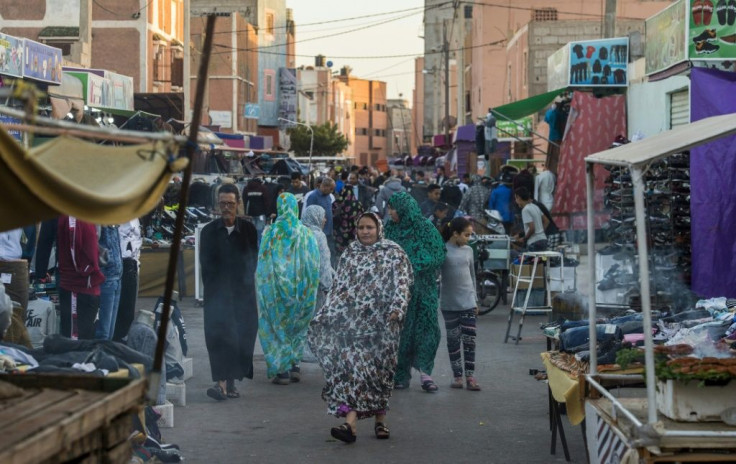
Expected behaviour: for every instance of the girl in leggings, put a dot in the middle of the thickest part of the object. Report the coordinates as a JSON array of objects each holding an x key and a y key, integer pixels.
[{"x": 458, "y": 301}]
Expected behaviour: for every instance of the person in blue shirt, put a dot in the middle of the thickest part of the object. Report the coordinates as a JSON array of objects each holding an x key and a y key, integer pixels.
[{"x": 500, "y": 200}]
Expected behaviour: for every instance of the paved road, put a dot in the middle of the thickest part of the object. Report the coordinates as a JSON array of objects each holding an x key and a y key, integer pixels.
[{"x": 507, "y": 422}]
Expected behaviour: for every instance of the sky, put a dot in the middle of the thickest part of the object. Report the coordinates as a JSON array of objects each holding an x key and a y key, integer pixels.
[{"x": 398, "y": 35}]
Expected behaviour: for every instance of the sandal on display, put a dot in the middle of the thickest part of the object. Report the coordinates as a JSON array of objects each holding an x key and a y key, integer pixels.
[
  {"x": 382, "y": 432},
  {"x": 457, "y": 383},
  {"x": 344, "y": 433},
  {"x": 472, "y": 384},
  {"x": 216, "y": 393}
]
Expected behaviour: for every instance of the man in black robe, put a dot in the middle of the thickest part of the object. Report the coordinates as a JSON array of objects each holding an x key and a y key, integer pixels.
[{"x": 228, "y": 255}]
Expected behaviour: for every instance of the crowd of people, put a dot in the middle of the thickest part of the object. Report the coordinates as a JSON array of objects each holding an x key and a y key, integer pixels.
[{"x": 357, "y": 283}]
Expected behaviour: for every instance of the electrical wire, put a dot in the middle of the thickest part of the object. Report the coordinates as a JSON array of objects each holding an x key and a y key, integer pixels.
[{"x": 102, "y": 7}]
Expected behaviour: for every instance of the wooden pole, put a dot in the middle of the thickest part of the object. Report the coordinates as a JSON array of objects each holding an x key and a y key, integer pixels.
[{"x": 155, "y": 377}]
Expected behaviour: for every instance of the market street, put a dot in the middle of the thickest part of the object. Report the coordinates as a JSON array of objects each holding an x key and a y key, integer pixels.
[{"x": 507, "y": 422}]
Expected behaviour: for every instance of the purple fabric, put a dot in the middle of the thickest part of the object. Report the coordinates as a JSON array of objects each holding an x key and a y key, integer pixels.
[
  {"x": 713, "y": 190},
  {"x": 465, "y": 133}
]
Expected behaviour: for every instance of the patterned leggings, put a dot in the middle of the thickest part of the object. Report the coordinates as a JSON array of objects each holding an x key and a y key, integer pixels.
[{"x": 460, "y": 326}]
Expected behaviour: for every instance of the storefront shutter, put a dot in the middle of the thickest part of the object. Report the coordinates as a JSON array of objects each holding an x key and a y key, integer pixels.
[{"x": 679, "y": 108}]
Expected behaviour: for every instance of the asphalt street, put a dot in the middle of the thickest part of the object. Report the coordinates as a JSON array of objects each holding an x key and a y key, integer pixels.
[{"x": 506, "y": 422}]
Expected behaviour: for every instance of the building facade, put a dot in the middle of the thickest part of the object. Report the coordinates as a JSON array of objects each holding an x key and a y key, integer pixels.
[
  {"x": 400, "y": 140},
  {"x": 370, "y": 117}
]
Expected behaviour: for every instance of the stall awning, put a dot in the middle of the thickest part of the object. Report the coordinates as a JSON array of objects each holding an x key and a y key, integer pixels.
[
  {"x": 102, "y": 184},
  {"x": 667, "y": 143},
  {"x": 527, "y": 106}
]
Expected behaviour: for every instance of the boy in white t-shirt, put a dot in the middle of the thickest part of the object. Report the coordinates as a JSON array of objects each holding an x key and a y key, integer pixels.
[{"x": 533, "y": 238}]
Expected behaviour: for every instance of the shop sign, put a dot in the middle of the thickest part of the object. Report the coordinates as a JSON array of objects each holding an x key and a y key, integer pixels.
[
  {"x": 225, "y": 7},
  {"x": 558, "y": 69},
  {"x": 252, "y": 111},
  {"x": 711, "y": 32},
  {"x": 599, "y": 63},
  {"x": 665, "y": 38},
  {"x": 121, "y": 91},
  {"x": 41, "y": 62},
  {"x": 221, "y": 118},
  {"x": 288, "y": 95},
  {"x": 11, "y": 55},
  {"x": 517, "y": 128},
  {"x": 10, "y": 120}
]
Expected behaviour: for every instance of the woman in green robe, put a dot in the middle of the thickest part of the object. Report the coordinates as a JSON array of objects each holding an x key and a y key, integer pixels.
[{"x": 420, "y": 336}]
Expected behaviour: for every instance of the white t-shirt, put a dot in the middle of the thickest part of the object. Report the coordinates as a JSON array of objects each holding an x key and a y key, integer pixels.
[
  {"x": 532, "y": 214},
  {"x": 544, "y": 187}
]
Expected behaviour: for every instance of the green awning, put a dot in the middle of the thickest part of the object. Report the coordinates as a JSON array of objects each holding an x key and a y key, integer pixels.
[{"x": 525, "y": 107}]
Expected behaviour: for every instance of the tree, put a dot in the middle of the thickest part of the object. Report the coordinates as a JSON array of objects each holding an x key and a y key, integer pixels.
[{"x": 328, "y": 141}]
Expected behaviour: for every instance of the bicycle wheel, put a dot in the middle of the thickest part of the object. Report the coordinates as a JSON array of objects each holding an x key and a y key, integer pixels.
[{"x": 489, "y": 292}]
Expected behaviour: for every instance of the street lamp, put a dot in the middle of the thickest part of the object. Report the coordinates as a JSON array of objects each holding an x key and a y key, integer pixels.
[{"x": 311, "y": 138}]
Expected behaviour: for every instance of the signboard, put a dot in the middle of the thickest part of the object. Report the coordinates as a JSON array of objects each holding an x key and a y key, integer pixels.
[
  {"x": 10, "y": 120},
  {"x": 221, "y": 118},
  {"x": 121, "y": 91},
  {"x": 711, "y": 33},
  {"x": 599, "y": 63},
  {"x": 288, "y": 96},
  {"x": 41, "y": 62},
  {"x": 11, "y": 56},
  {"x": 517, "y": 128},
  {"x": 665, "y": 38},
  {"x": 252, "y": 111},
  {"x": 558, "y": 69},
  {"x": 246, "y": 8}
]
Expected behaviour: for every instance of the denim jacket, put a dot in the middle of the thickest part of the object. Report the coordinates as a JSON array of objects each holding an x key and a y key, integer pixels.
[{"x": 110, "y": 240}]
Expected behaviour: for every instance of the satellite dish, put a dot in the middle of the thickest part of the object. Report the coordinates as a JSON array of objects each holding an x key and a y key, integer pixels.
[{"x": 329, "y": 64}]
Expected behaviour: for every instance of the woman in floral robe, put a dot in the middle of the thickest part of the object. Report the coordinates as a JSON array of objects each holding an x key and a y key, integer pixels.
[
  {"x": 355, "y": 335},
  {"x": 346, "y": 210}
]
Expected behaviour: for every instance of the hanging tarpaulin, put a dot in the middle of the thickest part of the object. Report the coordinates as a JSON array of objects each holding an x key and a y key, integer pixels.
[
  {"x": 102, "y": 184},
  {"x": 527, "y": 106}
]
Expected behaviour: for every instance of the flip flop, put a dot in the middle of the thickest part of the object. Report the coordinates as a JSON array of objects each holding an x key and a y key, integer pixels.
[
  {"x": 343, "y": 433},
  {"x": 429, "y": 386},
  {"x": 233, "y": 393}
]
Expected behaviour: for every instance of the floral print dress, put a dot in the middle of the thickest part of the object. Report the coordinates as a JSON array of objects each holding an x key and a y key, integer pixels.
[
  {"x": 355, "y": 343},
  {"x": 345, "y": 211}
]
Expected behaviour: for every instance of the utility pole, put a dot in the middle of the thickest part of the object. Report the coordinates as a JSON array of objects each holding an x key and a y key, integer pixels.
[
  {"x": 446, "y": 51},
  {"x": 460, "y": 60},
  {"x": 609, "y": 19}
]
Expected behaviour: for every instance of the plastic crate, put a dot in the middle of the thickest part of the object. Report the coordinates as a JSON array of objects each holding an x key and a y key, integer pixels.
[
  {"x": 176, "y": 393},
  {"x": 166, "y": 421}
]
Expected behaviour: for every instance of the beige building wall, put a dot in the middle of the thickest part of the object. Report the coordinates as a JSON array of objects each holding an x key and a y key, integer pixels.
[
  {"x": 371, "y": 121},
  {"x": 493, "y": 77}
]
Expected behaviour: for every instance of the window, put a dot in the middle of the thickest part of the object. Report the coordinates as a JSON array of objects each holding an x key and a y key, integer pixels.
[
  {"x": 270, "y": 22},
  {"x": 361, "y": 131},
  {"x": 544, "y": 14},
  {"x": 269, "y": 83},
  {"x": 365, "y": 106}
]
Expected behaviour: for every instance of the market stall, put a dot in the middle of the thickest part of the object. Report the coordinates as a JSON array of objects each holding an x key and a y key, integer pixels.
[{"x": 641, "y": 429}]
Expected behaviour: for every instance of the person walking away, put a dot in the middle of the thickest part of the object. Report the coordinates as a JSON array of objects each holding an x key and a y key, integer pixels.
[
  {"x": 420, "y": 336},
  {"x": 228, "y": 256},
  {"x": 500, "y": 200},
  {"x": 345, "y": 212},
  {"x": 79, "y": 277},
  {"x": 392, "y": 186},
  {"x": 544, "y": 188},
  {"x": 533, "y": 238},
  {"x": 475, "y": 200},
  {"x": 111, "y": 265},
  {"x": 322, "y": 196},
  {"x": 458, "y": 301},
  {"x": 287, "y": 277},
  {"x": 256, "y": 203},
  {"x": 355, "y": 334}
]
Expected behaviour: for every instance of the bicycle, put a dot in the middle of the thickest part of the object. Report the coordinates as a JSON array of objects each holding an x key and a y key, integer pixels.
[{"x": 489, "y": 282}]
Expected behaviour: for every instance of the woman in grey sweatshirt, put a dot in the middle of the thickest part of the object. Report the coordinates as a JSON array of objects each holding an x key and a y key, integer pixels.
[{"x": 458, "y": 301}]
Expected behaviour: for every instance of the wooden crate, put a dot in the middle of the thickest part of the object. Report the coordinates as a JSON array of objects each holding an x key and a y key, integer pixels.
[{"x": 68, "y": 418}]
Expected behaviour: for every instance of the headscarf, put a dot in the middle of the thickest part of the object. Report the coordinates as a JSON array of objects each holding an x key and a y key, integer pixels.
[
  {"x": 420, "y": 240},
  {"x": 376, "y": 219},
  {"x": 287, "y": 277},
  {"x": 345, "y": 213},
  {"x": 313, "y": 217}
]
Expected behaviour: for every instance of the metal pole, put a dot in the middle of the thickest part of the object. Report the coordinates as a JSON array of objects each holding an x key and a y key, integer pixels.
[
  {"x": 637, "y": 177},
  {"x": 446, "y": 50},
  {"x": 311, "y": 145},
  {"x": 609, "y": 19},
  {"x": 590, "y": 186},
  {"x": 155, "y": 376}
]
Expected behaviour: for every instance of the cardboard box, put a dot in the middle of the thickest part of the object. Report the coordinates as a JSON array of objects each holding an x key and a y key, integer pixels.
[
  {"x": 562, "y": 281},
  {"x": 525, "y": 272}
]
